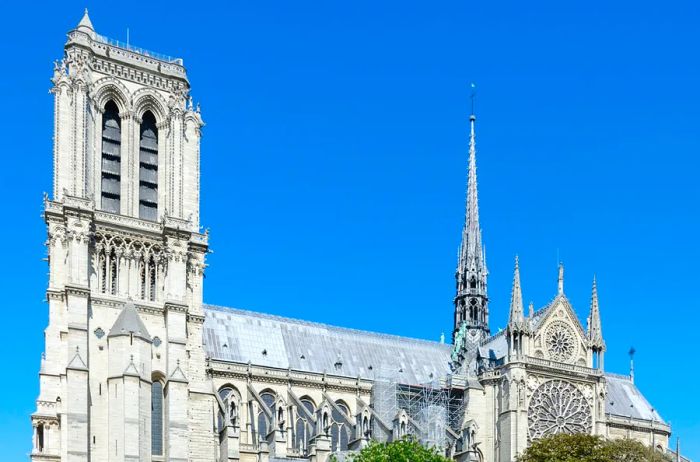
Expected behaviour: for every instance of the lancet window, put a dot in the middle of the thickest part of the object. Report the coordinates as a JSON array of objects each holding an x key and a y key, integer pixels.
[
  {"x": 157, "y": 418},
  {"x": 340, "y": 432},
  {"x": 111, "y": 158},
  {"x": 303, "y": 426},
  {"x": 148, "y": 168},
  {"x": 263, "y": 423},
  {"x": 229, "y": 415}
]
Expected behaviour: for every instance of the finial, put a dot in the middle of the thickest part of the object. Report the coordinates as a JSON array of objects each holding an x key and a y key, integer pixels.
[
  {"x": 442, "y": 337},
  {"x": 560, "y": 288},
  {"x": 531, "y": 310}
]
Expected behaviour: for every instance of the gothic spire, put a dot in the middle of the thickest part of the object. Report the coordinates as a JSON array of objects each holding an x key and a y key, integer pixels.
[
  {"x": 471, "y": 222},
  {"x": 472, "y": 256},
  {"x": 595, "y": 331},
  {"x": 471, "y": 301},
  {"x": 517, "y": 317}
]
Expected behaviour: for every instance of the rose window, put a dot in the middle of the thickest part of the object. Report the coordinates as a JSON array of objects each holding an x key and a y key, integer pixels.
[
  {"x": 561, "y": 341},
  {"x": 556, "y": 407}
]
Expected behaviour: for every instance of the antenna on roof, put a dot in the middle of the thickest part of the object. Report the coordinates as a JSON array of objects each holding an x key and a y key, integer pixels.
[
  {"x": 631, "y": 353},
  {"x": 127, "y": 38}
]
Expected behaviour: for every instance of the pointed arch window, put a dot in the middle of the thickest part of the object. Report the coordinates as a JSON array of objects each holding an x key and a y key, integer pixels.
[
  {"x": 228, "y": 415},
  {"x": 340, "y": 432},
  {"x": 157, "y": 418},
  {"x": 303, "y": 427},
  {"x": 263, "y": 422},
  {"x": 111, "y": 158},
  {"x": 113, "y": 273},
  {"x": 148, "y": 168}
]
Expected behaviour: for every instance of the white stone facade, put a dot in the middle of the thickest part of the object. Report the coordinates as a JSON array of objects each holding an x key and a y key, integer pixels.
[{"x": 134, "y": 369}]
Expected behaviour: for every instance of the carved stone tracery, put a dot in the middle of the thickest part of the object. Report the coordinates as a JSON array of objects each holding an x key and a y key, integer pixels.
[
  {"x": 557, "y": 406},
  {"x": 115, "y": 253},
  {"x": 560, "y": 341}
]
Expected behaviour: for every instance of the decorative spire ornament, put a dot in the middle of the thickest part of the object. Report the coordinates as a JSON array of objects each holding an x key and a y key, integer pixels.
[{"x": 560, "y": 285}]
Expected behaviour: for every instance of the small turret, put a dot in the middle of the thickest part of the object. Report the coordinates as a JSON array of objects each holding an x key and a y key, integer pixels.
[{"x": 85, "y": 25}]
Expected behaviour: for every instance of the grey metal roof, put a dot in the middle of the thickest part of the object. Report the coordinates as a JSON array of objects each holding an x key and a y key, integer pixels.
[
  {"x": 129, "y": 322},
  {"x": 267, "y": 340},
  {"x": 495, "y": 347},
  {"x": 624, "y": 399}
]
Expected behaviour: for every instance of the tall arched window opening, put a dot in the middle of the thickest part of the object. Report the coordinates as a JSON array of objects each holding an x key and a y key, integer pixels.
[
  {"x": 142, "y": 274},
  {"x": 303, "y": 427},
  {"x": 263, "y": 422},
  {"x": 148, "y": 168},
  {"x": 111, "y": 158},
  {"x": 229, "y": 414},
  {"x": 152, "y": 280},
  {"x": 113, "y": 273},
  {"x": 157, "y": 418},
  {"x": 102, "y": 258},
  {"x": 40, "y": 437},
  {"x": 340, "y": 432}
]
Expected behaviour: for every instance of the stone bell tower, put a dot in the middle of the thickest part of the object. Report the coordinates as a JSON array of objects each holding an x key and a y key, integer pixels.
[{"x": 123, "y": 373}]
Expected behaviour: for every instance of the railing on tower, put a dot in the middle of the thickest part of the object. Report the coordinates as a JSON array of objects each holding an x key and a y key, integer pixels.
[{"x": 141, "y": 51}]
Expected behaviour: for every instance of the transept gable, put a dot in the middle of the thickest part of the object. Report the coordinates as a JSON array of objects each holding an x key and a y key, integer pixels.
[{"x": 558, "y": 333}]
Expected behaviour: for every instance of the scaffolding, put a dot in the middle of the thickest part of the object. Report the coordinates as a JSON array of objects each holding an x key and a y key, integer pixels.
[{"x": 431, "y": 408}]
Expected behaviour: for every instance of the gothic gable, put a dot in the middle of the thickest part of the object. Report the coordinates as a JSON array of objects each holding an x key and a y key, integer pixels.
[{"x": 559, "y": 336}]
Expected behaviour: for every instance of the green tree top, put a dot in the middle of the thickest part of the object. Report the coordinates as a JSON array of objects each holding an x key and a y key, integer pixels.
[
  {"x": 587, "y": 448},
  {"x": 404, "y": 450}
]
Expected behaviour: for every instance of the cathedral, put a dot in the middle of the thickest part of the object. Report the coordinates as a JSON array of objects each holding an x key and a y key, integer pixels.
[{"x": 137, "y": 367}]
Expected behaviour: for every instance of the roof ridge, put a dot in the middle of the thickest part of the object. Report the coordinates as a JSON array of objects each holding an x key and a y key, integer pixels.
[{"x": 320, "y": 324}]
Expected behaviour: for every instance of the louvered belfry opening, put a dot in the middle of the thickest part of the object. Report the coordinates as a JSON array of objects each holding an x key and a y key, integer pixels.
[
  {"x": 111, "y": 158},
  {"x": 148, "y": 168}
]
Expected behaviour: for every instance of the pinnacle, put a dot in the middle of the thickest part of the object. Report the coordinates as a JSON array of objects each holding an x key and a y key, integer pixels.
[
  {"x": 516, "y": 300},
  {"x": 85, "y": 22},
  {"x": 560, "y": 288},
  {"x": 595, "y": 331}
]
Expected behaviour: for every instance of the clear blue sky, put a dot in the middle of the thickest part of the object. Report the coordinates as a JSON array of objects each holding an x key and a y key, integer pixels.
[{"x": 334, "y": 164}]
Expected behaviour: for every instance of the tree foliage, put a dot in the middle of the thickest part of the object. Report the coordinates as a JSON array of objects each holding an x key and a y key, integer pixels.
[
  {"x": 587, "y": 448},
  {"x": 404, "y": 450}
]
